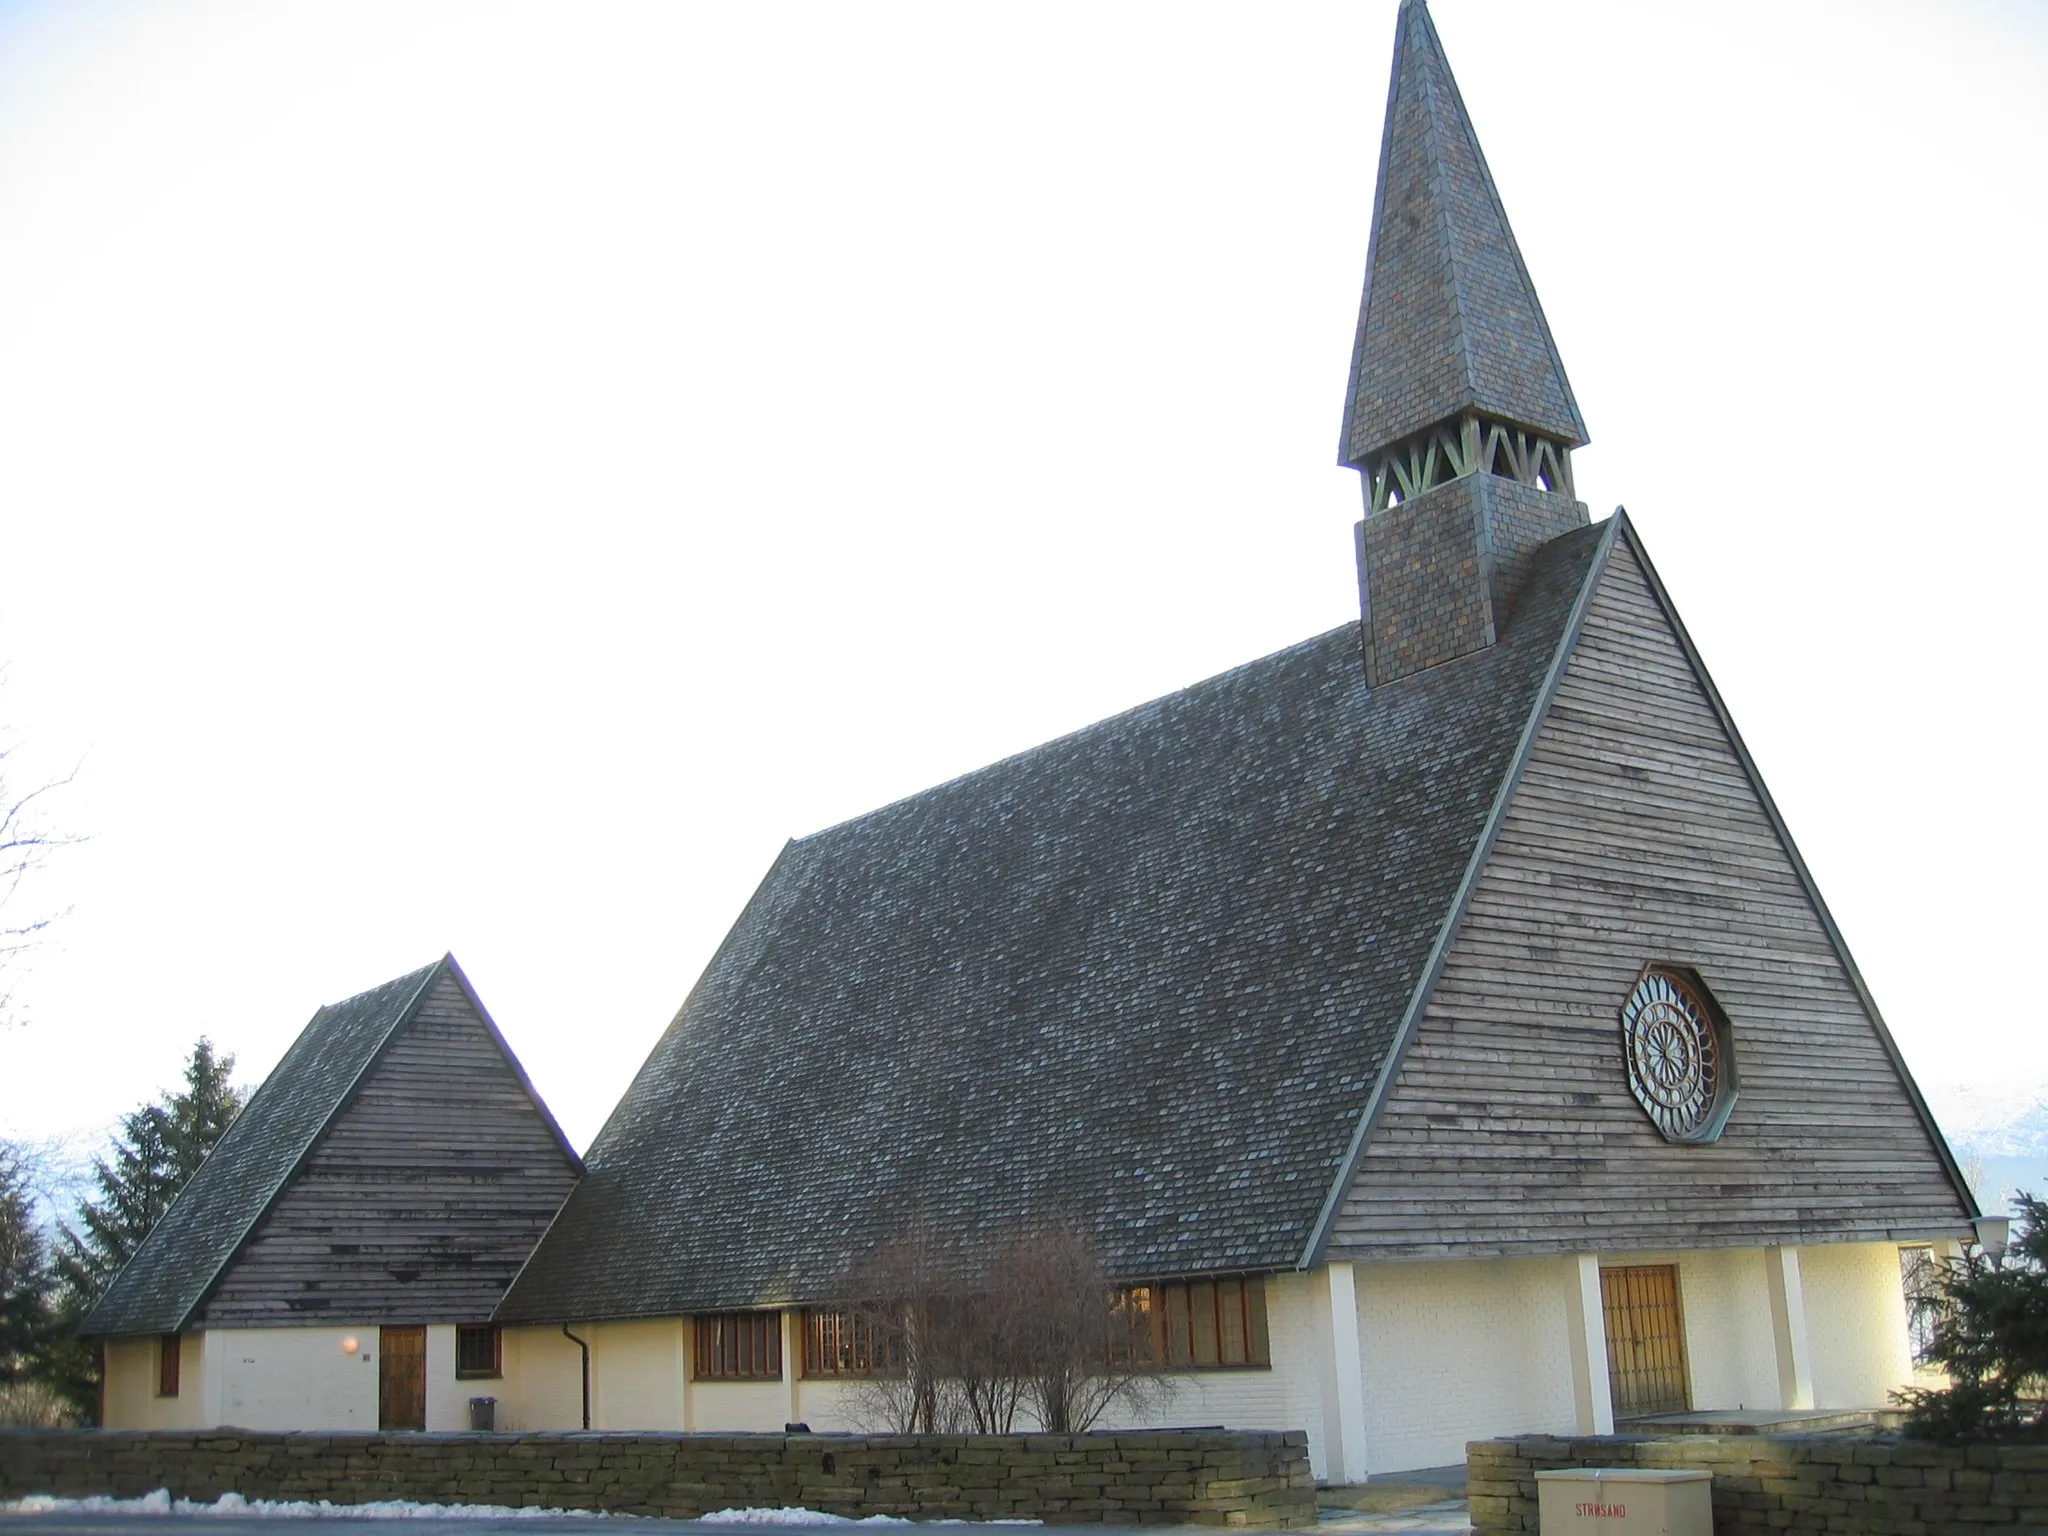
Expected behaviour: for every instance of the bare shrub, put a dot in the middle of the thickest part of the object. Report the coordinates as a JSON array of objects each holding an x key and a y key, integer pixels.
[
  {"x": 1080, "y": 1348},
  {"x": 32, "y": 1405},
  {"x": 941, "y": 1345}
]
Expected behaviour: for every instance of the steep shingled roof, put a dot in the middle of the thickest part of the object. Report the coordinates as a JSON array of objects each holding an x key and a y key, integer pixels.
[
  {"x": 1450, "y": 321},
  {"x": 165, "y": 1284},
  {"x": 1144, "y": 975}
]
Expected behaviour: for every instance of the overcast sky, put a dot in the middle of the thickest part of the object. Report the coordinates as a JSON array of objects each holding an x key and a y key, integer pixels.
[{"x": 480, "y": 476}]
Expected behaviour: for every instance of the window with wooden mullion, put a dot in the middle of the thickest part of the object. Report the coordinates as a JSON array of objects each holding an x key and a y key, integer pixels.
[
  {"x": 844, "y": 1344},
  {"x": 739, "y": 1346},
  {"x": 169, "y": 1353},
  {"x": 479, "y": 1352},
  {"x": 1203, "y": 1324}
]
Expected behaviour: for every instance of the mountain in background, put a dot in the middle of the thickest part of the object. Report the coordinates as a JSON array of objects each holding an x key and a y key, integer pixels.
[{"x": 2000, "y": 1136}]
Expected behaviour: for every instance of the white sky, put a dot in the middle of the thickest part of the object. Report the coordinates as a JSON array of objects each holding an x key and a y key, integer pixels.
[{"x": 479, "y": 476}]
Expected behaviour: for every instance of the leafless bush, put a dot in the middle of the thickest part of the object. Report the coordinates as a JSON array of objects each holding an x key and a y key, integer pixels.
[
  {"x": 26, "y": 840},
  {"x": 940, "y": 1345},
  {"x": 1081, "y": 1348},
  {"x": 32, "y": 1405}
]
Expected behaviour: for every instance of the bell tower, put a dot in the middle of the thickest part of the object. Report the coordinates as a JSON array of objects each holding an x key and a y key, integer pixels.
[{"x": 1457, "y": 416}]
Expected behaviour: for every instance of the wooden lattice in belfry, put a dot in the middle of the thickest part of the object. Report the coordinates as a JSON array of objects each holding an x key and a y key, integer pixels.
[{"x": 1681, "y": 1060}]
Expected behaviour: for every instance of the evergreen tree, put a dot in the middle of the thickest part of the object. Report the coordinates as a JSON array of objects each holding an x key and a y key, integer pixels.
[
  {"x": 1991, "y": 1336},
  {"x": 25, "y": 1278},
  {"x": 158, "y": 1148}
]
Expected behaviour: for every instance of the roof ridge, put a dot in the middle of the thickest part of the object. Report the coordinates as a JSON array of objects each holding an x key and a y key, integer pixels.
[
  {"x": 1806, "y": 881},
  {"x": 1131, "y": 712},
  {"x": 237, "y": 1131},
  {"x": 399, "y": 1020},
  {"x": 1449, "y": 322},
  {"x": 1432, "y": 130},
  {"x": 1514, "y": 246},
  {"x": 1461, "y": 898}
]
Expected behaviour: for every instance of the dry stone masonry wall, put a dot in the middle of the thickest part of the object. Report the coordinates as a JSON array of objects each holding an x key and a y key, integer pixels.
[
  {"x": 1189, "y": 1477},
  {"x": 1778, "y": 1483}
]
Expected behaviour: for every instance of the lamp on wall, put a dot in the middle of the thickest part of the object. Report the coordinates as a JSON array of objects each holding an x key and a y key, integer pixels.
[
  {"x": 1993, "y": 1232},
  {"x": 350, "y": 1345}
]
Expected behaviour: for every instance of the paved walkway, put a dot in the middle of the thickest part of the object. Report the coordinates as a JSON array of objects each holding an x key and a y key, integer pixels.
[
  {"x": 1445, "y": 1518},
  {"x": 1427, "y": 1502}
]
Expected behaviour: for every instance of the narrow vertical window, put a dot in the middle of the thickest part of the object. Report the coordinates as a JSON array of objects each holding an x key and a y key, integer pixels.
[{"x": 169, "y": 1349}]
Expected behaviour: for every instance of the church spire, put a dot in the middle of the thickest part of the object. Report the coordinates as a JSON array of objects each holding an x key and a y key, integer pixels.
[
  {"x": 1458, "y": 413},
  {"x": 1452, "y": 343}
]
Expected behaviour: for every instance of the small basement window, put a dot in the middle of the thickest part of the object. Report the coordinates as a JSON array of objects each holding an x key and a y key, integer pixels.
[
  {"x": 1192, "y": 1325},
  {"x": 169, "y": 1351},
  {"x": 739, "y": 1346},
  {"x": 479, "y": 1351}
]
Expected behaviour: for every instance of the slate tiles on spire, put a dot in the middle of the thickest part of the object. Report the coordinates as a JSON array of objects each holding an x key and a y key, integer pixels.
[{"x": 1450, "y": 321}]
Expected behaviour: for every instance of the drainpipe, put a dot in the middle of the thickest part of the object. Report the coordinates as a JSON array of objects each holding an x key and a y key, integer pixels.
[{"x": 580, "y": 1344}]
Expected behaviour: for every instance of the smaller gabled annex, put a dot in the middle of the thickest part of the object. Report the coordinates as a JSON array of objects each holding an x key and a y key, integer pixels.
[{"x": 335, "y": 1262}]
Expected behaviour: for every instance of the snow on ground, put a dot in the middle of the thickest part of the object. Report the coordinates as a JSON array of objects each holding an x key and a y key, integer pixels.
[{"x": 161, "y": 1503}]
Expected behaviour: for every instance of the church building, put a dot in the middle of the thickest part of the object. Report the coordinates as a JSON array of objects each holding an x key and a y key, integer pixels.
[
  {"x": 1434, "y": 1021},
  {"x": 1442, "y": 1002}
]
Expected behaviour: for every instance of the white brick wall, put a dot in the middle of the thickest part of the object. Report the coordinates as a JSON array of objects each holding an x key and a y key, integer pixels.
[
  {"x": 1856, "y": 1323},
  {"x": 1450, "y": 1352},
  {"x": 1728, "y": 1339},
  {"x": 297, "y": 1378},
  {"x": 1460, "y": 1351}
]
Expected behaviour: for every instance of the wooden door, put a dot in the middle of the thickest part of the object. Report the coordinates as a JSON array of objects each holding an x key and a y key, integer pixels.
[
  {"x": 1646, "y": 1368},
  {"x": 402, "y": 1378}
]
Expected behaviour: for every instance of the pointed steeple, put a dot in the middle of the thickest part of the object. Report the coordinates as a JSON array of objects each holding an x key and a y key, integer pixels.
[
  {"x": 1458, "y": 413},
  {"x": 1450, "y": 325}
]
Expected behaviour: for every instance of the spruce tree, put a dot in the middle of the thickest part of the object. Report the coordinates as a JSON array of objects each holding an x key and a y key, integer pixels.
[
  {"x": 157, "y": 1149},
  {"x": 25, "y": 1278},
  {"x": 1991, "y": 1336}
]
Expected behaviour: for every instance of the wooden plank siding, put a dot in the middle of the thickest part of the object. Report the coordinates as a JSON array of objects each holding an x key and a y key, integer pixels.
[
  {"x": 1636, "y": 835},
  {"x": 422, "y": 1200}
]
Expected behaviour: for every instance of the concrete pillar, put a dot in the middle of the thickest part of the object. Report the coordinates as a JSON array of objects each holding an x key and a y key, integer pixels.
[
  {"x": 686, "y": 1363},
  {"x": 1788, "y": 1327},
  {"x": 1592, "y": 1398},
  {"x": 792, "y": 1363},
  {"x": 1343, "y": 1376},
  {"x": 213, "y": 1379}
]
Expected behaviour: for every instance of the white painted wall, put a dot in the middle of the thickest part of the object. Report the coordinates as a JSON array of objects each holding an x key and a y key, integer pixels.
[
  {"x": 1459, "y": 1351},
  {"x": 1729, "y": 1346},
  {"x": 739, "y": 1405},
  {"x": 637, "y": 1375},
  {"x": 1856, "y": 1324},
  {"x": 131, "y": 1382},
  {"x": 447, "y": 1394},
  {"x": 1286, "y": 1396},
  {"x": 1450, "y": 1352},
  {"x": 543, "y": 1384},
  {"x": 297, "y": 1378}
]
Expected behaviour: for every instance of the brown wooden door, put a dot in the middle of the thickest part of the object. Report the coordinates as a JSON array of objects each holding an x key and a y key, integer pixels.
[
  {"x": 1646, "y": 1368},
  {"x": 402, "y": 1378}
]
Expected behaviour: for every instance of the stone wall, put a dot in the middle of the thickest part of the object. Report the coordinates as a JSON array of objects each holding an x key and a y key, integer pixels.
[
  {"x": 1200, "y": 1477},
  {"x": 1775, "y": 1483}
]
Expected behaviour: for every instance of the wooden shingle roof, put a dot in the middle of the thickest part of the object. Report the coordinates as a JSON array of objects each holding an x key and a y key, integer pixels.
[
  {"x": 1143, "y": 977},
  {"x": 163, "y": 1288}
]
